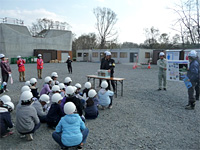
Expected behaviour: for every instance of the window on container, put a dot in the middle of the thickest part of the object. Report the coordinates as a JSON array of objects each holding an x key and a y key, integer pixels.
[
  {"x": 114, "y": 54},
  {"x": 79, "y": 54},
  {"x": 95, "y": 54},
  {"x": 123, "y": 55},
  {"x": 147, "y": 55}
]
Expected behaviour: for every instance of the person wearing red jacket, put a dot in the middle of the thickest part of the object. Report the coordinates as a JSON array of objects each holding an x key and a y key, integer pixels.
[
  {"x": 21, "y": 68},
  {"x": 39, "y": 66}
]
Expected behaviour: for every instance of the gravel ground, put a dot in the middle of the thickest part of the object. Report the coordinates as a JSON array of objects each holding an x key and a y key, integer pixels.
[{"x": 142, "y": 119}]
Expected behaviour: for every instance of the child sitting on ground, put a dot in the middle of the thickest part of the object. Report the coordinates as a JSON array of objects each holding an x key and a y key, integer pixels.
[
  {"x": 86, "y": 90},
  {"x": 62, "y": 89},
  {"x": 67, "y": 81},
  {"x": 27, "y": 121},
  {"x": 5, "y": 119},
  {"x": 33, "y": 82},
  {"x": 39, "y": 106},
  {"x": 54, "y": 77},
  {"x": 46, "y": 87},
  {"x": 71, "y": 130},
  {"x": 55, "y": 89},
  {"x": 4, "y": 99},
  {"x": 55, "y": 112},
  {"x": 91, "y": 110},
  {"x": 105, "y": 96}
]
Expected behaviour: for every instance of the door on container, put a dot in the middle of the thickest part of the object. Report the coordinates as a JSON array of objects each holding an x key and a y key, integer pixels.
[
  {"x": 46, "y": 57},
  {"x": 64, "y": 57},
  {"x": 85, "y": 56},
  {"x": 133, "y": 57}
]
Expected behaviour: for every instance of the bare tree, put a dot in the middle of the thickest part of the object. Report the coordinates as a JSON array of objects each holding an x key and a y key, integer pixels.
[
  {"x": 152, "y": 35},
  {"x": 106, "y": 19}
]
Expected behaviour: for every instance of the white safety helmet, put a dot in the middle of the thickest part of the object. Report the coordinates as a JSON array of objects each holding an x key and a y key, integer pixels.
[
  {"x": 75, "y": 88},
  {"x": 92, "y": 93},
  {"x": 33, "y": 81},
  {"x": 47, "y": 79},
  {"x": 5, "y": 99},
  {"x": 104, "y": 84},
  {"x": 44, "y": 98},
  {"x": 70, "y": 90},
  {"x": 68, "y": 56},
  {"x": 61, "y": 85},
  {"x": 161, "y": 54},
  {"x": 39, "y": 55},
  {"x": 10, "y": 106},
  {"x": 28, "y": 83},
  {"x": 18, "y": 56},
  {"x": 78, "y": 85},
  {"x": 2, "y": 55},
  {"x": 56, "y": 98},
  {"x": 88, "y": 85},
  {"x": 56, "y": 88},
  {"x": 25, "y": 88},
  {"x": 69, "y": 108},
  {"x": 108, "y": 53},
  {"x": 54, "y": 74},
  {"x": 192, "y": 54},
  {"x": 105, "y": 52},
  {"x": 26, "y": 96},
  {"x": 67, "y": 80}
]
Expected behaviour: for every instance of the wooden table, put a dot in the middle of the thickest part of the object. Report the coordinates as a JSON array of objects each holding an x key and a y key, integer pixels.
[{"x": 111, "y": 79}]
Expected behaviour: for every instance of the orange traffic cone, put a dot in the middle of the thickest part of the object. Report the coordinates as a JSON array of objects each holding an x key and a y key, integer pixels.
[
  {"x": 149, "y": 66},
  {"x": 134, "y": 66}
]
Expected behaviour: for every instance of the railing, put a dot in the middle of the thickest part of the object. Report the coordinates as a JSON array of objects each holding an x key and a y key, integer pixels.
[{"x": 12, "y": 21}]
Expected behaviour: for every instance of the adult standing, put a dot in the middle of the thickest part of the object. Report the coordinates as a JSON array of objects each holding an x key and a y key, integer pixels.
[
  {"x": 109, "y": 65},
  {"x": 102, "y": 63},
  {"x": 21, "y": 68},
  {"x": 193, "y": 75},
  {"x": 5, "y": 71},
  {"x": 39, "y": 66},
  {"x": 69, "y": 64},
  {"x": 162, "y": 64}
]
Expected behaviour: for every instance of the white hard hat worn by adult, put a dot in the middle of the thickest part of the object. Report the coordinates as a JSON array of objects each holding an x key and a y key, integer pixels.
[
  {"x": 2, "y": 55},
  {"x": 56, "y": 98},
  {"x": 10, "y": 106},
  {"x": 44, "y": 98},
  {"x": 61, "y": 85},
  {"x": 54, "y": 74},
  {"x": 192, "y": 54},
  {"x": 104, "y": 84},
  {"x": 108, "y": 54},
  {"x": 92, "y": 93},
  {"x": 69, "y": 90},
  {"x": 18, "y": 56},
  {"x": 47, "y": 79},
  {"x": 88, "y": 85},
  {"x": 68, "y": 56},
  {"x": 78, "y": 85},
  {"x": 67, "y": 80},
  {"x": 56, "y": 88},
  {"x": 25, "y": 88},
  {"x": 69, "y": 108},
  {"x": 33, "y": 80},
  {"x": 26, "y": 96},
  {"x": 5, "y": 99},
  {"x": 161, "y": 54}
]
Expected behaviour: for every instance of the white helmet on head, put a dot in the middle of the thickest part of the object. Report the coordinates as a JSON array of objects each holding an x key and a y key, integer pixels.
[
  {"x": 192, "y": 54},
  {"x": 105, "y": 52},
  {"x": 33, "y": 81},
  {"x": 78, "y": 85},
  {"x": 56, "y": 88},
  {"x": 25, "y": 88},
  {"x": 56, "y": 98},
  {"x": 108, "y": 53},
  {"x": 2, "y": 55},
  {"x": 161, "y": 54},
  {"x": 26, "y": 96},
  {"x": 54, "y": 74},
  {"x": 92, "y": 93},
  {"x": 75, "y": 88},
  {"x": 19, "y": 56},
  {"x": 104, "y": 84},
  {"x": 10, "y": 106},
  {"x": 67, "y": 80},
  {"x": 69, "y": 108},
  {"x": 28, "y": 83},
  {"x": 70, "y": 90},
  {"x": 44, "y": 98},
  {"x": 88, "y": 85},
  {"x": 68, "y": 56},
  {"x": 5, "y": 99},
  {"x": 39, "y": 55},
  {"x": 47, "y": 79},
  {"x": 61, "y": 85}
]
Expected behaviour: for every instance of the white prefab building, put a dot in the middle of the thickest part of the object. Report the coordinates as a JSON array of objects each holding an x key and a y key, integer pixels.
[{"x": 119, "y": 55}]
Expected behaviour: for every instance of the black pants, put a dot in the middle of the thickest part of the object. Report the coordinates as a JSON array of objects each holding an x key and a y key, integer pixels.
[
  {"x": 112, "y": 83},
  {"x": 191, "y": 94},
  {"x": 69, "y": 68},
  {"x": 5, "y": 77},
  {"x": 197, "y": 91}
]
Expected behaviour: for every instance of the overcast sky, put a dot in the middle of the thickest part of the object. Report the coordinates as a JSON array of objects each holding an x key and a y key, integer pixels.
[{"x": 133, "y": 15}]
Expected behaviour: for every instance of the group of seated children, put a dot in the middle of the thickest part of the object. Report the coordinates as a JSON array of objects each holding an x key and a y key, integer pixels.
[{"x": 62, "y": 106}]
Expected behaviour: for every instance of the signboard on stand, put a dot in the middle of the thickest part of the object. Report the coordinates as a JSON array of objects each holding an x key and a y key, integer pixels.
[{"x": 176, "y": 69}]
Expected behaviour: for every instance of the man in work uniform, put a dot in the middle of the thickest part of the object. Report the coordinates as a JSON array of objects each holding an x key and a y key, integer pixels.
[
  {"x": 101, "y": 66},
  {"x": 162, "y": 64},
  {"x": 69, "y": 64},
  {"x": 109, "y": 64}
]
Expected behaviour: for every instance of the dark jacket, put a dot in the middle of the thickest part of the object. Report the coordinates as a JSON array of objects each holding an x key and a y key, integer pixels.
[
  {"x": 109, "y": 64},
  {"x": 193, "y": 72},
  {"x": 102, "y": 62},
  {"x": 85, "y": 91},
  {"x": 5, "y": 67},
  {"x": 69, "y": 62},
  {"x": 5, "y": 121},
  {"x": 54, "y": 115},
  {"x": 91, "y": 112},
  {"x": 34, "y": 92}
]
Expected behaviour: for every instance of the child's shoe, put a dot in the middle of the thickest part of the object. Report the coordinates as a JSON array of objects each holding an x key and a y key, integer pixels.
[
  {"x": 29, "y": 137},
  {"x": 22, "y": 136},
  {"x": 110, "y": 106},
  {"x": 7, "y": 134}
]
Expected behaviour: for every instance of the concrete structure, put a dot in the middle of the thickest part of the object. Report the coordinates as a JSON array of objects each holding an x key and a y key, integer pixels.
[
  {"x": 17, "y": 40},
  {"x": 119, "y": 55}
]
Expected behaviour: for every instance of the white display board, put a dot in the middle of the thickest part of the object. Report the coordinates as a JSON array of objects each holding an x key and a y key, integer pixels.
[
  {"x": 172, "y": 55},
  {"x": 176, "y": 69}
]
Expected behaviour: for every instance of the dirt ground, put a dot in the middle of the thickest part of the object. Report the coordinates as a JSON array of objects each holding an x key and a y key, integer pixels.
[{"x": 142, "y": 119}]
